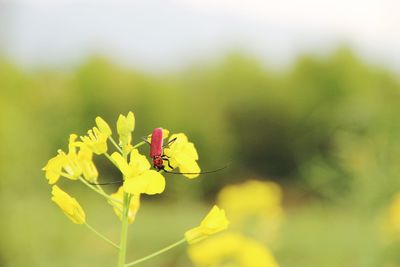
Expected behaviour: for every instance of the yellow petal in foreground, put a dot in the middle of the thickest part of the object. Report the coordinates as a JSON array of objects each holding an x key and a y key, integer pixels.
[
  {"x": 137, "y": 163},
  {"x": 53, "y": 169},
  {"x": 183, "y": 155},
  {"x": 214, "y": 222},
  {"x": 149, "y": 182},
  {"x": 68, "y": 205},
  {"x": 133, "y": 206}
]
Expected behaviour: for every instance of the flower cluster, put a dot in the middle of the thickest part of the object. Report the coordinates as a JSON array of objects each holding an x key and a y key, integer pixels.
[
  {"x": 138, "y": 177},
  {"x": 254, "y": 208},
  {"x": 231, "y": 249}
]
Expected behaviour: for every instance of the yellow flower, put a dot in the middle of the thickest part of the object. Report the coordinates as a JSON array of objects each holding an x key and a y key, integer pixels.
[
  {"x": 214, "y": 222},
  {"x": 231, "y": 249},
  {"x": 96, "y": 139},
  {"x": 390, "y": 221},
  {"x": 254, "y": 205},
  {"x": 53, "y": 168},
  {"x": 183, "y": 155},
  {"x": 85, "y": 158},
  {"x": 133, "y": 206},
  {"x": 68, "y": 205},
  {"x": 138, "y": 178},
  {"x": 125, "y": 127},
  {"x": 67, "y": 162},
  {"x": 74, "y": 163}
]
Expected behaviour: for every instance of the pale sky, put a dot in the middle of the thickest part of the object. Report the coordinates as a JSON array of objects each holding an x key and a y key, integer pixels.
[{"x": 162, "y": 34}]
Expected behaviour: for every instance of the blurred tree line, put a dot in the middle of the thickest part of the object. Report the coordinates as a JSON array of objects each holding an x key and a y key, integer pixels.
[{"x": 325, "y": 125}]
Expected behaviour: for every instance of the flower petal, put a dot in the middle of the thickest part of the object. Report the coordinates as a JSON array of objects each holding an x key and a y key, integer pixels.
[
  {"x": 103, "y": 126},
  {"x": 150, "y": 182}
]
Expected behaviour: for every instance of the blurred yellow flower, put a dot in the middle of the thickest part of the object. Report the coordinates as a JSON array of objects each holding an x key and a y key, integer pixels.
[
  {"x": 253, "y": 204},
  {"x": 138, "y": 178},
  {"x": 390, "y": 221},
  {"x": 125, "y": 127},
  {"x": 133, "y": 206},
  {"x": 214, "y": 222},
  {"x": 68, "y": 205},
  {"x": 96, "y": 139},
  {"x": 231, "y": 249},
  {"x": 183, "y": 155}
]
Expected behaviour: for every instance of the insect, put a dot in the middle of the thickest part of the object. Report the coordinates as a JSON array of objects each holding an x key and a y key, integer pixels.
[
  {"x": 158, "y": 156},
  {"x": 157, "y": 149}
]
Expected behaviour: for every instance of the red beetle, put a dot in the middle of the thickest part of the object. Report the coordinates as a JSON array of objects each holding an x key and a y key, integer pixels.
[
  {"x": 158, "y": 156},
  {"x": 157, "y": 149}
]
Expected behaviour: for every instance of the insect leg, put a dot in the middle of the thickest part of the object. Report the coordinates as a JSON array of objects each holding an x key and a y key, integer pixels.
[{"x": 166, "y": 158}]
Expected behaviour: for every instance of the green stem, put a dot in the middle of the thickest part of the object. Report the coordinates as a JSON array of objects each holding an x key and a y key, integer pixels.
[
  {"x": 115, "y": 144},
  {"x": 111, "y": 159},
  {"x": 101, "y": 236},
  {"x": 98, "y": 191},
  {"x": 139, "y": 144},
  {"x": 156, "y": 253},
  {"x": 124, "y": 231}
]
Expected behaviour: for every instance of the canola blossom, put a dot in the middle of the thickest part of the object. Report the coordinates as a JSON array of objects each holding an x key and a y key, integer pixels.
[
  {"x": 214, "y": 222},
  {"x": 182, "y": 154},
  {"x": 254, "y": 204},
  {"x": 71, "y": 163},
  {"x": 97, "y": 137},
  {"x": 68, "y": 205},
  {"x": 231, "y": 249},
  {"x": 390, "y": 221},
  {"x": 136, "y": 175}
]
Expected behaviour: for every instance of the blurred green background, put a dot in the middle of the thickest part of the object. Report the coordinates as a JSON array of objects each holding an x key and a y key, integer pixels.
[{"x": 325, "y": 129}]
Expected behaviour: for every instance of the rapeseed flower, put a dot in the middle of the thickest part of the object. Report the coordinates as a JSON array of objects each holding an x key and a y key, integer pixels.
[
  {"x": 74, "y": 163},
  {"x": 390, "y": 221},
  {"x": 133, "y": 206},
  {"x": 138, "y": 178},
  {"x": 53, "y": 168},
  {"x": 125, "y": 127},
  {"x": 231, "y": 249},
  {"x": 255, "y": 205},
  {"x": 85, "y": 158},
  {"x": 67, "y": 162},
  {"x": 68, "y": 205},
  {"x": 214, "y": 222},
  {"x": 97, "y": 137},
  {"x": 183, "y": 155}
]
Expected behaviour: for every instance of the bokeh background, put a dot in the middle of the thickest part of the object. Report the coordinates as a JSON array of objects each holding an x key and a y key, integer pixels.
[{"x": 301, "y": 95}]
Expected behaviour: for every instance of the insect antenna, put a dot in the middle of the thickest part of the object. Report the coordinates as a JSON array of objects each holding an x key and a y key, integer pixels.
[
  {"x": 216, "y": 170},
  {"x": 107, "y": 183}
]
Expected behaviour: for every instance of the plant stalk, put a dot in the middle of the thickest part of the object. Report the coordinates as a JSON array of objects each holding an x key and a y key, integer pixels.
[{"x": 124, "y": 231}]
